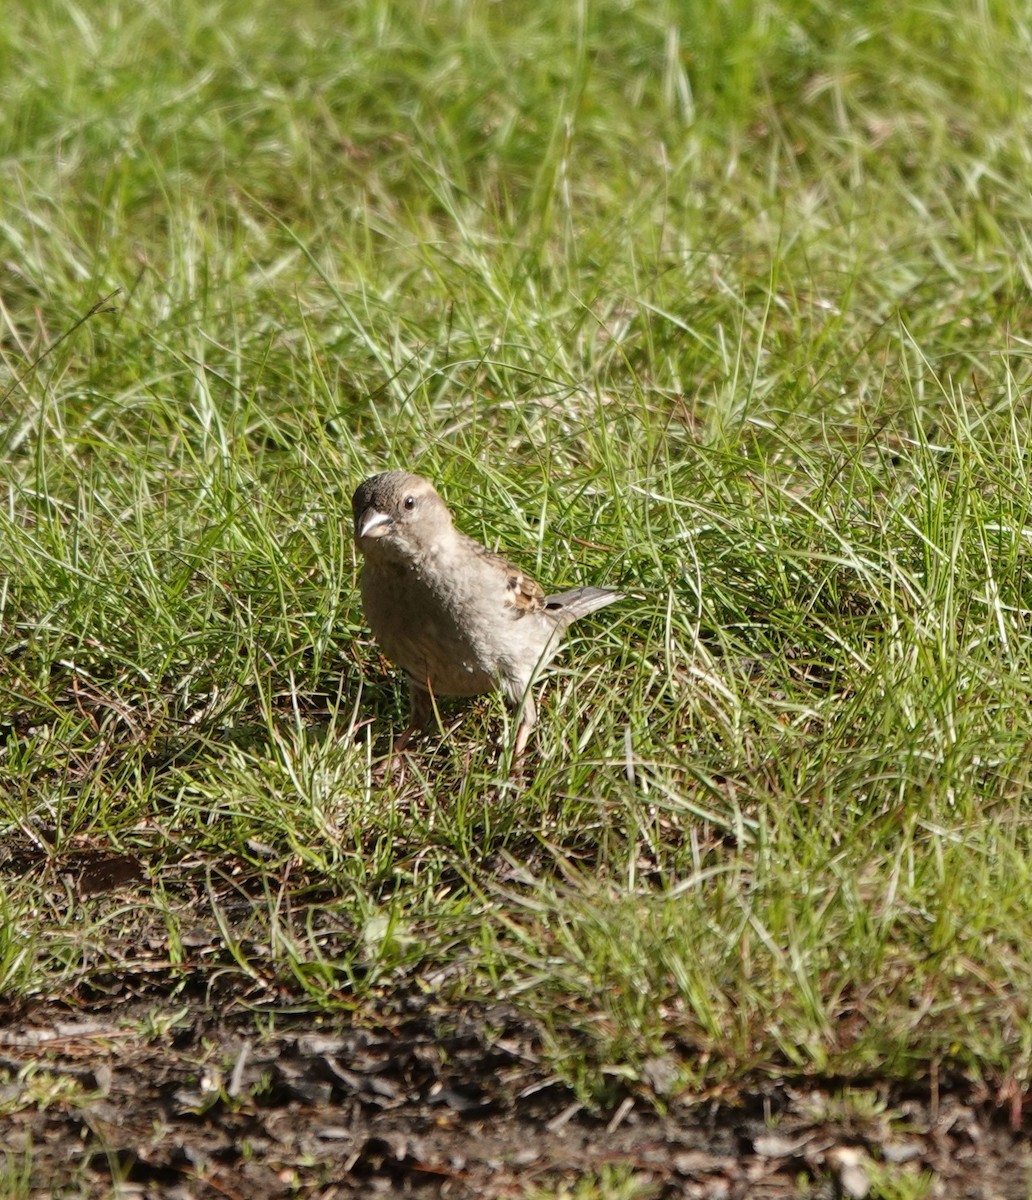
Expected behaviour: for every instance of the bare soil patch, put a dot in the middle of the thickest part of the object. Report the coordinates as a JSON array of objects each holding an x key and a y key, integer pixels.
[{"x": 176, "y": 1099}]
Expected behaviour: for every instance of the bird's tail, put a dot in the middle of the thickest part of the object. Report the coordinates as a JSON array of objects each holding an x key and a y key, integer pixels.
[{"x": 568, "y": 606}]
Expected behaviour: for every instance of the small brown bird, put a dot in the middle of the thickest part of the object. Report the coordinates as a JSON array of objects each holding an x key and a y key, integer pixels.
[{"x": 458, "y": 619}]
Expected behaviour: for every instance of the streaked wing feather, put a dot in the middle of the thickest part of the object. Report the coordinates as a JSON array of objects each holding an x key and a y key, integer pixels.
[{"x": 524, "y": 594}]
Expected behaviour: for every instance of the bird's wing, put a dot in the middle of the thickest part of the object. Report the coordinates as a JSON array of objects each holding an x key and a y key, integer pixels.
[
  {"x": 522, "y": 593},
  {"x": 525, "y": 595}
]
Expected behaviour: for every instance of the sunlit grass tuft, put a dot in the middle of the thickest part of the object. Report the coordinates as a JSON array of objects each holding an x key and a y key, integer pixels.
[{"x": 725, "y": 306}]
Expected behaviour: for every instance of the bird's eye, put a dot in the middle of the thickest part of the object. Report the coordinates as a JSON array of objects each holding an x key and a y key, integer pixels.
[{"x": 410, "y": 502}]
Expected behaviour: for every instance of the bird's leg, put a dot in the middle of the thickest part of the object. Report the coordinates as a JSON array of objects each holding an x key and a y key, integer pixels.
[
  {"x": 528, "y": 719},
  {"x": 403, "y": 738},
  {"x": 522, "y": 737},
  {"x": 421, "y": 715}
]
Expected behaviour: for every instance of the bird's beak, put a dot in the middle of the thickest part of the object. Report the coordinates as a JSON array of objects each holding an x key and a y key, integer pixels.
[{"x": 373, "y": 523}]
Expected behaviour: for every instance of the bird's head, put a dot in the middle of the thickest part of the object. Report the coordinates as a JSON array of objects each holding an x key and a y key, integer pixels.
[{"x": 398, "y": 514}]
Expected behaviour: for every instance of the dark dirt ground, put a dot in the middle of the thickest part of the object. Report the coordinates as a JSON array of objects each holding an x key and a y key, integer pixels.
[{"x": 443, "y": 1104}]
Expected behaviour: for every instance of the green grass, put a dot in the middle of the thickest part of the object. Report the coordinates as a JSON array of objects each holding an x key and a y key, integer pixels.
[{"x": 724, "y": 304}]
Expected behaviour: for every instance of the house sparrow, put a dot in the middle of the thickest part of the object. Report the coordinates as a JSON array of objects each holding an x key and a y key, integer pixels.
[{"x": 458, "y": 619}]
